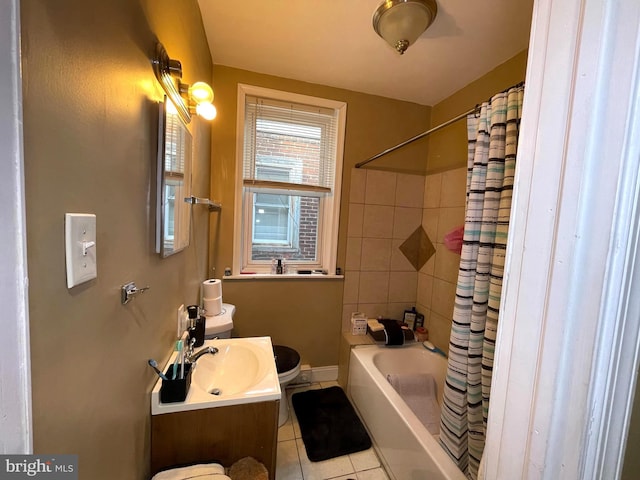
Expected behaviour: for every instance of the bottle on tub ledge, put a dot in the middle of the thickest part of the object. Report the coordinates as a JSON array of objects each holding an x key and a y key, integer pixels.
[
  {"x": 414, "y": 320},
  {"x": 409, "y": 318}
]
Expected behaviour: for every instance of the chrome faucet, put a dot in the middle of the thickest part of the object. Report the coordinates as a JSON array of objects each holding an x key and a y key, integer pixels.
[{"x": 193, "y": 357}]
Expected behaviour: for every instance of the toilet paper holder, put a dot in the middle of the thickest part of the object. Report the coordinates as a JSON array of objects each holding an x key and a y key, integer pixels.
[{"x": 129, "y": 290}]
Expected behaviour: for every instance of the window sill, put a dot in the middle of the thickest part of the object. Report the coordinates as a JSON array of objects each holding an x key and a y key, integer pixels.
[{"x": 286, "y": 276}]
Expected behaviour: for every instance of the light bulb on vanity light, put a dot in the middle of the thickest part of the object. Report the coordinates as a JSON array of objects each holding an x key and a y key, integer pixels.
[
  {"x": 201, "y": 92},
  {"x": 206, "y": 110}
]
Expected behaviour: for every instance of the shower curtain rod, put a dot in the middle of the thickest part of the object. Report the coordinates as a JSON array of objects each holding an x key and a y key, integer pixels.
[{"x": 419, "y": 136}]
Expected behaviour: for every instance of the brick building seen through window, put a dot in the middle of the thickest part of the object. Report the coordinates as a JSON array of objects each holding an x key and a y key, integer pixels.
[{"x": 285, "y": 226}]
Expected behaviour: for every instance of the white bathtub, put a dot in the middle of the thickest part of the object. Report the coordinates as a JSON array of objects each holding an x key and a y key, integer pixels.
[{"x": 406, "y": 448}]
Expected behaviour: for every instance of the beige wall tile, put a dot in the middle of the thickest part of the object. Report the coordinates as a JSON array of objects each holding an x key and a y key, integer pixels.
[
  {"x": 443, "y": 298},
  {"x": 424, "y": 292},
  {"x": 424, "y": 310},
  {"x": 374, "y": 310},
  {"x": 351, "y": 285},
  {"x": 447, "y": 264},
  {"x": 403, "y": 287},
  {"x": 356, "y": 217},
  {"x": 429, "y": 267},
  {"x": 440, "y": 331},
  {"x": 376, "y": 254},
  {"x": 354, "y": 252},
  {"x": 449, "y": 219},
  {"x": 396, "y": 310},
  {"x": 454, "y": 188},
  {"x": 358, "y": 185},
  {"x": 432, "y": 187},
  {"x": 378, "y": 221},
  {"x": 374, "y": 287},
  {"x": 399, "y": 262},
  {"x": 430, "y": 217},
  {"x": 410, "y": 190},
  {"x": 381, "y": 188},
  {"x": 405, "y": 221}
]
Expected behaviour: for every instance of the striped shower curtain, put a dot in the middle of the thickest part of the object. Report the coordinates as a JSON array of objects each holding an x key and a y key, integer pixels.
[{"x": 492, "y": 143}]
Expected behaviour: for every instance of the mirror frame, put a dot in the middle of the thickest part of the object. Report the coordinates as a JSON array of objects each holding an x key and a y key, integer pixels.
[{"x": 173, "y": 214}]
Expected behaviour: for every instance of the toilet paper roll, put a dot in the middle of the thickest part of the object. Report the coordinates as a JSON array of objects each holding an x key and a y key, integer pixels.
[
  {"x": 212, "y": 306},
  {"x": 212, "y": 288}
]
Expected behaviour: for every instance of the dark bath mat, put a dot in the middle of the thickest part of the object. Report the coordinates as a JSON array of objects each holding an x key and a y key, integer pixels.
[{"x": 329, "y": 425}]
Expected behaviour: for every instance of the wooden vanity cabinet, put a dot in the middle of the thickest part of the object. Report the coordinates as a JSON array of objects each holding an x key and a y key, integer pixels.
[{"x": 221, "y": 435}]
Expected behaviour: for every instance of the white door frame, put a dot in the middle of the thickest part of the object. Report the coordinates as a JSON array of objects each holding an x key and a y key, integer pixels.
[
  {"x": 556, "y": 410},
  {"x": 15, "y": 372},
  {"x": 569, "y": 324}
]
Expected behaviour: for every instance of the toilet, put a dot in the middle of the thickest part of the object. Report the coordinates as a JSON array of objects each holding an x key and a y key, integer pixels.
[
  {"x": 220, "y": 326},
  {"x": 211, "y": 470},
  {"x": 288, "y": 366}
]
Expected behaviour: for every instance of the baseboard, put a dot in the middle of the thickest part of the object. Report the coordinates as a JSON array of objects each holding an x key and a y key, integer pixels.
[{"x": 324, "y": 374}]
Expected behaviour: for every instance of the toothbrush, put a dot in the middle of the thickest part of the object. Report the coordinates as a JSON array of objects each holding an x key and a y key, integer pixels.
[
  {"x": 154, "y": 365},
  {"x": 179, "y": 357},
  {"x": 432, "y": 348}
]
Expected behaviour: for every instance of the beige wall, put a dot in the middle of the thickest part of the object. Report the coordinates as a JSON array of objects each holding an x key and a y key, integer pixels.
[
  {"x": 448, "y": 147},
  {"x": 90, "y": 120},
  {"x": 304, "y": 314}
]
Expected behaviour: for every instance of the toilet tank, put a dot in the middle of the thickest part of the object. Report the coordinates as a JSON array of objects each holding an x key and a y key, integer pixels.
[{"x": 220, "y": 325}]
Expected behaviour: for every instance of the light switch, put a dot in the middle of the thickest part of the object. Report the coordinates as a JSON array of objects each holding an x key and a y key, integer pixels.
[{"x": 80, "y": 247}]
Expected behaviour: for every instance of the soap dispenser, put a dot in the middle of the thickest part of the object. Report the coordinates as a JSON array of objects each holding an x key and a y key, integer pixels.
[
  {"x": 279, "y": 268},
  {"x": 196, "y": 325}
]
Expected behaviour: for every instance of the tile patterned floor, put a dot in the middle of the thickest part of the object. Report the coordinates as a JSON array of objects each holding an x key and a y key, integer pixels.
[{"x": 293, "y": 463}]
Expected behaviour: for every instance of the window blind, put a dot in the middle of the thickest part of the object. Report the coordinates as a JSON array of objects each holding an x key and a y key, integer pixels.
[
  {"x": 299, "y": 138},
  {"x": 175, "y": 145}
]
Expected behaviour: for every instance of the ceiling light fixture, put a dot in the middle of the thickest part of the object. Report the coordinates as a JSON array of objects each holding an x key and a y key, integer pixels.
[
  {"x": 196, "y": 98},
  {"x": 401, "y": 22}
]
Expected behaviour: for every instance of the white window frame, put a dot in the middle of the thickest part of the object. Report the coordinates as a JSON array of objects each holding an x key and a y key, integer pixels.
[{"x": 329, "y": 219}]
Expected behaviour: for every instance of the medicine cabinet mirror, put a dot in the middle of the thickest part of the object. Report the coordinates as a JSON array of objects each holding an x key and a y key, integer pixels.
[{"x": 173, "y": 215}]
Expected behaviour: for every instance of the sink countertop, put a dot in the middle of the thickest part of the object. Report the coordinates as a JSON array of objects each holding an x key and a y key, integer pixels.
[{"x": 244, "y": 369}]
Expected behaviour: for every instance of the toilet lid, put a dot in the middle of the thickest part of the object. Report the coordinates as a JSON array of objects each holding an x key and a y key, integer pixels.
[{"x": 286, "y": 358}]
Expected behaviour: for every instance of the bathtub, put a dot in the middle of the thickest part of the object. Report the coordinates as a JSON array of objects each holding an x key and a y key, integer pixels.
[{"x": 406, "y": 448}]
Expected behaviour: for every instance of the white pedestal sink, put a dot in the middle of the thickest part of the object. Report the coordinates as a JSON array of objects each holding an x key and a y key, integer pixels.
[{"x": 243, "y": 371}]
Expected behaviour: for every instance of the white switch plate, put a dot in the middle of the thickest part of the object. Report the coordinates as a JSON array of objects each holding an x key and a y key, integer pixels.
[
  {"x": 180, "y": 320},
  {"x": 80, "y": 247}
]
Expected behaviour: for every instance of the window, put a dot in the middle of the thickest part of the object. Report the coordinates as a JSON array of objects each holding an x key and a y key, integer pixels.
[
  {"x": 272, "y": 221},
  {"x": 288, "y": 180}
]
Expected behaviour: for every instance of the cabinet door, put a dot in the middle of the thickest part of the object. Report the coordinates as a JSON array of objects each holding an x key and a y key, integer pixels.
[{"x": 221, "y": 435}]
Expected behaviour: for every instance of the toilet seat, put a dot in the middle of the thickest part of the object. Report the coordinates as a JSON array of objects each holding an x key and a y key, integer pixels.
[{"x": 287, "y": 363}]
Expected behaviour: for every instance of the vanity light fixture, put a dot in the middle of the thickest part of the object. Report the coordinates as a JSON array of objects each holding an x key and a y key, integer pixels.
[
  {"x": 401, "y": 22},
  {"x": 197, "y": 98}
]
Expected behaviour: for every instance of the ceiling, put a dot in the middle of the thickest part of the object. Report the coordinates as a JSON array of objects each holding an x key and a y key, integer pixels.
[{"x": 332, "y": 42}]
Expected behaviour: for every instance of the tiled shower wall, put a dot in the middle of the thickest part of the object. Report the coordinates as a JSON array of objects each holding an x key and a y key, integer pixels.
[
  {"x": 444, "y": 202},
  {"x": 385, "y": 209}
]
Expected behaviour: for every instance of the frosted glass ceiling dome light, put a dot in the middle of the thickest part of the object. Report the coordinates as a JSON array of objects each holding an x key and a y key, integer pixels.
[{"x": 401, "y": 22}]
